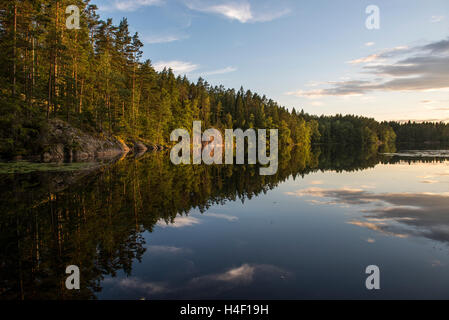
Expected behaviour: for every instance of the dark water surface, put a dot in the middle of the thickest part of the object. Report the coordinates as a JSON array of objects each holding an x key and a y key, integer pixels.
[{"x": 144, "y": 228}]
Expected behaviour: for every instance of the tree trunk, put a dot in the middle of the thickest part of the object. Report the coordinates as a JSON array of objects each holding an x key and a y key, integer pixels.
[{"x": 14, "y": 66}]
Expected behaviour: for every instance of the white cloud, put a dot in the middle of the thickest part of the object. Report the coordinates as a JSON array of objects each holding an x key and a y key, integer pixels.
[
  {"x": 178, "y": 67},
  {"x": 436, "y": 19},
  {"x": 162, "y": 38},
  {"x": 381, "y": 56},
  {"x": 369, "y": 44},
  {"x": 219, "y": 71},
  {"x": 240, "y": 11},
  {"x": 130, "y": 5}
]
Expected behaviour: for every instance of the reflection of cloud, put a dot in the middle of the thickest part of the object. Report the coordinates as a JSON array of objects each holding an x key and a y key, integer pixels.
[
  {"x": 215, "y": 284},
  {"x": 370, "y": 240},
  {"x": 379, "y": 227},
  {"x": 166, "y": 249},
  {"x": 179, "y": 222},
  {"x": 221, "y": 216},
  {"x": 397, "y": 214},
  {"x": 429, "y": 181},
  {"x": 205, "y": 286},
  {"x": 243, "y": 274},
  {"x": 347, "y": 193},
  {"x": 437, "y": 263},
  {"x": 149, "y": 288}
]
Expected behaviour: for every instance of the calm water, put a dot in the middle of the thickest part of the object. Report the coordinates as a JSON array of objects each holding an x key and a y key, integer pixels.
[{"x": 143, "y": 228}]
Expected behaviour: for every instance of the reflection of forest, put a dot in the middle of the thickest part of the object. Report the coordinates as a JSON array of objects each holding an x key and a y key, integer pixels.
[{"x": 95, "y": 220}]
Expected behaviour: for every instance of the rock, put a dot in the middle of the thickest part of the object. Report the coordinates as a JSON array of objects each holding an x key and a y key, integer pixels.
[{"x": 62, "y": 142}]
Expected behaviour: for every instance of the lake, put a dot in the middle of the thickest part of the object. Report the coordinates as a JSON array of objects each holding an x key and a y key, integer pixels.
[{"x": 142, "y": 228}]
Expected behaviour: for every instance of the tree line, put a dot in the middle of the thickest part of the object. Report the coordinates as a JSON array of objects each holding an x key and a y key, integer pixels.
[
  {"x": 423, "y": 132},
  {"x": 95, "y": 78}
]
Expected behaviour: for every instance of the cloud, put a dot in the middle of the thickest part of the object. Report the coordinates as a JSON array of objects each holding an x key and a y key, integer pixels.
[
  {"x": 419, "y": 68},
  {"x": 178, "y": 67},
  {"x": 429, "y": 181},
  {"x": 130, "y": 5},
  {"x": 369, "y": 44},
  {"x": 154, "y": 39},
  {"x": 179, "y": 222},
  {"x": 240, "y": 11},
  {"x": 435, "y": 19},
  {"x": 388, "y": 53},
  {"x": 219, "y": 71}
]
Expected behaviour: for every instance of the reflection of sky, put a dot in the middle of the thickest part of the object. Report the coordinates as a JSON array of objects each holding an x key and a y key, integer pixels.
[{"x": 309, "y": 238}]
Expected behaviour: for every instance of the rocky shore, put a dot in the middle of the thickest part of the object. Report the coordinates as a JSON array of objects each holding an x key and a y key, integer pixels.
[{"x": 60, "y": 141}]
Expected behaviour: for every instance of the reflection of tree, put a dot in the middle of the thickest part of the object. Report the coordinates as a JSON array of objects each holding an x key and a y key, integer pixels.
[{"x": 97, "y": 222}]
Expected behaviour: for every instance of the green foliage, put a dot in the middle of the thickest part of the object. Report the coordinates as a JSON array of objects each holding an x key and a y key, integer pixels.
[
  {"x": 94, "y": 78},
  {"x": 350, "y": 130},
  {"x": 424, "y": 132}
]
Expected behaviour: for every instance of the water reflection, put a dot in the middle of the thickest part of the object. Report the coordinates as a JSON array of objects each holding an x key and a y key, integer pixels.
[
  {"x": 399, "y": 214},
  {"x": 100, "y": 220}
]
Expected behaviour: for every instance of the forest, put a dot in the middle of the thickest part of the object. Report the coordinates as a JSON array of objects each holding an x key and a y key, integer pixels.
[{"x": 95, "y": 79}]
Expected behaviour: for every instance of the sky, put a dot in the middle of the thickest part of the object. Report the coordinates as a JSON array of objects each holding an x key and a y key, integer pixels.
[{"x": 313, "y": 55}]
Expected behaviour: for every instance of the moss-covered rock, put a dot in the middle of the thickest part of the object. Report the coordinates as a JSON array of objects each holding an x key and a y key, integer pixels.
[{"x": 61, "y": 141}]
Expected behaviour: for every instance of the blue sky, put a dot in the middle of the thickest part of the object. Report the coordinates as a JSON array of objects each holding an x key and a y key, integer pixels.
[{"x": 313, "y": 55}]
